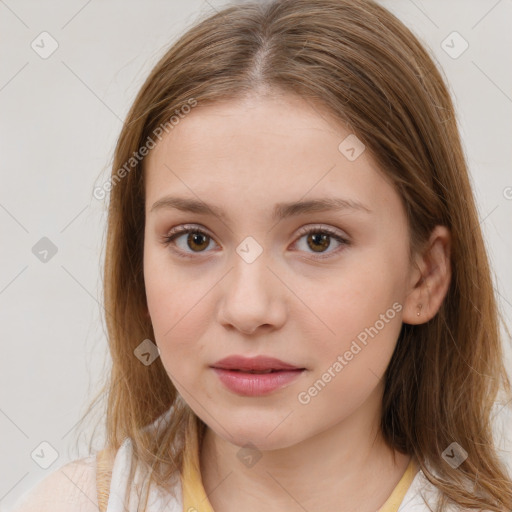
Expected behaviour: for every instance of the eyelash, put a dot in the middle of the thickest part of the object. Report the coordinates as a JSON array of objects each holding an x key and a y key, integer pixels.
[{"x": 187, "y": 229}]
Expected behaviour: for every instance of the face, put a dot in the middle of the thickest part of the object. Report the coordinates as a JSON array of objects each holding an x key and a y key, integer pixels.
[{"x": 319, "y": 289}]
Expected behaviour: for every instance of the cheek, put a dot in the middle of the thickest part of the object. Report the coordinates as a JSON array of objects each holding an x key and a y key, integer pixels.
[
  {"x": 361, "y": 316},
  {"x": 349, "y": 365},
  {"x": 354, "y": 298},
  {"x": 169, "y": 303},
  {"x": 177, "y": 302}
]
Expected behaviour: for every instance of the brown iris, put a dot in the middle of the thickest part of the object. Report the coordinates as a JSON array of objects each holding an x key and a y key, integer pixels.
[
  {"x": 318, "y": 238},
  {"x": 195, "y": 238}
]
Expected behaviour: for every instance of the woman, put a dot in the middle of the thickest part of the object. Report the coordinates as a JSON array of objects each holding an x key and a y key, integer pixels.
[{"x": 300, "y": 308}]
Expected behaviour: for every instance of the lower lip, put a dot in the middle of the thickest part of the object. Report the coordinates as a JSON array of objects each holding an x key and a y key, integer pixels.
[{"x": 256, "y": 384}]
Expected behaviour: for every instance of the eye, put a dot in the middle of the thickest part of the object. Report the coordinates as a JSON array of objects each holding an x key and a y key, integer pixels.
[
  {"x": 197, "y": 240},
  {"x": 318, "y": 239}
]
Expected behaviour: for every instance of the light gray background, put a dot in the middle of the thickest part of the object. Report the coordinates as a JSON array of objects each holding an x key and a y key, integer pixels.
[{"x": 59, "y": 121}]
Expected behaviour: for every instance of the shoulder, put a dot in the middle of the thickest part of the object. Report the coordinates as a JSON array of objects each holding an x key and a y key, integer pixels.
[
  {"x": 423, "y": 496},
  {"x": 71, "y": 488}
]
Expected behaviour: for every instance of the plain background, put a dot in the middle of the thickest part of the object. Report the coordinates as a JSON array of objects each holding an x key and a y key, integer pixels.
[{"x": 60, "y": 118}]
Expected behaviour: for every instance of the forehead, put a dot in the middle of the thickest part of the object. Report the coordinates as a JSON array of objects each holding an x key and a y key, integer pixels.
[
  {"x": 252, "y": 151},
  {"x": 279, "y": 121}
]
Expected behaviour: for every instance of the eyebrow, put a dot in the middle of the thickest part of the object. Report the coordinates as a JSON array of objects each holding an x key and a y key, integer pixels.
[{"x": 281, "y": 210}]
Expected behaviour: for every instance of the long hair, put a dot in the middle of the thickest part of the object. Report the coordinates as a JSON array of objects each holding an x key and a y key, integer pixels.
[{"x": 359, "y": 62}]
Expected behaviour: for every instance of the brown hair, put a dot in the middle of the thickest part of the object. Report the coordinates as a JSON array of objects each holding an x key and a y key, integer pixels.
[{"x": 362, "y": 65}]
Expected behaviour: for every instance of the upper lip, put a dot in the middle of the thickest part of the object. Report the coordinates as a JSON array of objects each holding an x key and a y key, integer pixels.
[{"x": 237, "y": 362}]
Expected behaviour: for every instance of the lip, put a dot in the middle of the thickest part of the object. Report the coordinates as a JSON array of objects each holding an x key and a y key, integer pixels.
[
  {"x": 257, "y": 363},
  {"x": 234, "y": 373}
]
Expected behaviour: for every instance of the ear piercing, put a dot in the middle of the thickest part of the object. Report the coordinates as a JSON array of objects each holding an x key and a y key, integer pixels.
[{"x": 419, "y": 312}]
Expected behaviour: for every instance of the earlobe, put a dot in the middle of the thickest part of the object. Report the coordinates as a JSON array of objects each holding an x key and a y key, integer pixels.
[{"x": 431, "y": 279}]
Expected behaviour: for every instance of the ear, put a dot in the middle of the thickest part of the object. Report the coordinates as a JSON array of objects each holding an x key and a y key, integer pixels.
[{"x": 429, "y": 279}]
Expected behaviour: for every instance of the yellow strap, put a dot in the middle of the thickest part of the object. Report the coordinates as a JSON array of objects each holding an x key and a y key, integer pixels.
[
  {"x": 104, "y": 464},
  {"x": 194, "y": 495},
  {"x": 397, "y": 496}
]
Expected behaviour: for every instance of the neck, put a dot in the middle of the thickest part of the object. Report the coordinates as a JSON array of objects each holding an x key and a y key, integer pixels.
[{"x": 346, "y": 467}]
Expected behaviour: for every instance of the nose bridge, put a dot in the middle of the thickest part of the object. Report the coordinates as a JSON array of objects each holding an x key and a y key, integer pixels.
[
  {"x": 252, "y": 295},
  {"x": 250, "y": 273}
]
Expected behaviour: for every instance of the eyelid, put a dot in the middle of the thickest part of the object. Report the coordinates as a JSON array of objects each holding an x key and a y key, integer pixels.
[
  {"x": 335, "y": 232},
  {"x": 186, "y": 228}
]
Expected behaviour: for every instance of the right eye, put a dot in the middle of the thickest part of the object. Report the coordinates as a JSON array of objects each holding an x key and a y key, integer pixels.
[{"x": 196, "y": 239}]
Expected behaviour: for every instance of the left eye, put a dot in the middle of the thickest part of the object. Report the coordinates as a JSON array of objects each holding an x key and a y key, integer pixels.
[{"x": 318, "y": 239}]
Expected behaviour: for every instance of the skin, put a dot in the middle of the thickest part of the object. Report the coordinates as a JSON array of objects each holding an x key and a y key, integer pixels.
[{"x": 245, "y": 156}]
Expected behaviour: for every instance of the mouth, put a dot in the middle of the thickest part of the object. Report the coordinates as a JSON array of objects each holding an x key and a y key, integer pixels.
[
  {"x": 257, "y": 383},
  {"x": 258, "y": 364},
  {"x": 257, "y": 376},
  {"x": 258, "y": 372}
]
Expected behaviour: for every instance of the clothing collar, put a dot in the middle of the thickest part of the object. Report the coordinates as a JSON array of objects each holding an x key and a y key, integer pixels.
[{"x": 195, "y": 498}]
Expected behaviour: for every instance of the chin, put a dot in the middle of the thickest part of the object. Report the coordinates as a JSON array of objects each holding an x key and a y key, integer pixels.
[{"x": 270, "y": 433}]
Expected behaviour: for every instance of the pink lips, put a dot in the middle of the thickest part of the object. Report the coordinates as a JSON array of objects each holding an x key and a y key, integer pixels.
[{"x": 253, "y": 376}]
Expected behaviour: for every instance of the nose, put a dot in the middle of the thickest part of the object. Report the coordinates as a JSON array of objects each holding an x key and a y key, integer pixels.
[{"x": 252, "y": 297}]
